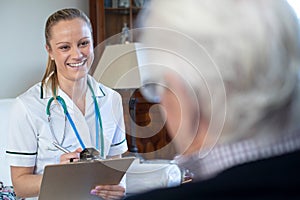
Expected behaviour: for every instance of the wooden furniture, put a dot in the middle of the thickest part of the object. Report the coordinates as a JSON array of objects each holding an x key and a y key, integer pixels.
[
  {"x": 108, "y": 19},
  {"x": 145, "y": 127}
]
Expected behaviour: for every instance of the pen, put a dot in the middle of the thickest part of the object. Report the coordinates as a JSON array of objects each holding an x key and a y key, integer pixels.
[{"x": 61, "y": 148}]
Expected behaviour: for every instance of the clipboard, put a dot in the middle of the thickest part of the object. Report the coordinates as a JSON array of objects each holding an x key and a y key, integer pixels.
[{"x": 76, "y": 180}]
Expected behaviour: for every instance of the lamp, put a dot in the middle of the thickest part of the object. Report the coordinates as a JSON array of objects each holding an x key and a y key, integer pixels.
[{"x": 118, "y": 69}]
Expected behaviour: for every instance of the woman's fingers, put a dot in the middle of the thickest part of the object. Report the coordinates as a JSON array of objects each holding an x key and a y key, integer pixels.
[
  {"x": 70, "y": 157},
  {"x": 109, "y": 192}
]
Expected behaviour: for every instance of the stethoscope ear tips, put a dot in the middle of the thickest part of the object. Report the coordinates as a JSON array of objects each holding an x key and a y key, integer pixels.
[{"x": 89, "y": 154}]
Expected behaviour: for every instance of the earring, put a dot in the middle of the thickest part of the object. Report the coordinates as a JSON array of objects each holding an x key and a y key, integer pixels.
[{"x": 52, "y": 58}]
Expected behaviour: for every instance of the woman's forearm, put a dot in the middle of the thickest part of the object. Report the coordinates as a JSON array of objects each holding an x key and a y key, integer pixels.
[{"x": 25, "y": 183}]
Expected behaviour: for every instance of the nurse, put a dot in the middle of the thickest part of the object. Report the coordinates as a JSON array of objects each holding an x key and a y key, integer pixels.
[{"x": 68, "y": 107}]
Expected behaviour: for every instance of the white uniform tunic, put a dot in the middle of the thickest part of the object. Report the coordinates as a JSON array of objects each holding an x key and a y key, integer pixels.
[{"x": 30, "y": 137}]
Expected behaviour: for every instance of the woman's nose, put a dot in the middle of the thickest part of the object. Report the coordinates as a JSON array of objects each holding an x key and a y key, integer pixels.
[{"x": 76, "y": 53}]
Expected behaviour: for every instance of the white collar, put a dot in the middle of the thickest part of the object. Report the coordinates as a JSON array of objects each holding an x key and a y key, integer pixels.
[{"x": 99, "y": 89}]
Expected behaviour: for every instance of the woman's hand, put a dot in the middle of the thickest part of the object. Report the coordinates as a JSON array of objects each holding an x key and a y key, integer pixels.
[
  {"x": 108, "y": 192},
  {"x": 70, "y": 157}
]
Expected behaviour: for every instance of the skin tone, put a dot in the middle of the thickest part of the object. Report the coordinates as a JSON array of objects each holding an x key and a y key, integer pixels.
[
  {"x": 72, "y": 50},
  {"x": 184, "y": 127}
]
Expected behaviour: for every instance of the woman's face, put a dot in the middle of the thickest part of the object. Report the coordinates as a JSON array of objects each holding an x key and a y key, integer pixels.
[{"x": 72, "y": 49}]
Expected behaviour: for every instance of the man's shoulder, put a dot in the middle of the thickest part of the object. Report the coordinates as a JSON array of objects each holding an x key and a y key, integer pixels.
[
  {"x": 267, "y": 177},
  {"x": 263, "y": 179}
]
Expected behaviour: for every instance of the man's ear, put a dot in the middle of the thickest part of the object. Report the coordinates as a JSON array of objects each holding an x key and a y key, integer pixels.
[{"x": 183, "y": 114}]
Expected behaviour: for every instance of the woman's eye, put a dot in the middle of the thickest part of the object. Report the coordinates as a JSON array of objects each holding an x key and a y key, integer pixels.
[
  {"x": 64, "y": 47},
  {"x": 84, "y": 43}
]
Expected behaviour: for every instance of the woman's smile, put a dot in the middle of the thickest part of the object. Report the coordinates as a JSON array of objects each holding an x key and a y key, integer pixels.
[{"x": 77, "y": 65}]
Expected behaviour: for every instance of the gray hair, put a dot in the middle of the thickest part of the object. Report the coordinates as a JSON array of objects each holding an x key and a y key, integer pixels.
[{"x": 240, "y": 58}]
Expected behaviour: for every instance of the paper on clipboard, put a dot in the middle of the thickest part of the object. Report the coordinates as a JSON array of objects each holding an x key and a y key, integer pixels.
[{"x": 75, "y": 180}]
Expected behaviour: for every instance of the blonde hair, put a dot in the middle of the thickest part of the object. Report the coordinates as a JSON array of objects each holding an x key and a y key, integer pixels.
[
  {"x": 50, "y": 75},
  {"x": 252, "y": 45}
]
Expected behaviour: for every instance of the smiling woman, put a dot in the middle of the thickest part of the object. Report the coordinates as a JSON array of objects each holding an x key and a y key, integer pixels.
[
  {"x": 66, "y": 109},
  {"x": 69, "y": 43},
  {"x": 71, "y": 48}
]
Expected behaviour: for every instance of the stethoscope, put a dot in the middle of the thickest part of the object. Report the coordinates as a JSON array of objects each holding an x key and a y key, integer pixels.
[{"x": 98, "y": 120}]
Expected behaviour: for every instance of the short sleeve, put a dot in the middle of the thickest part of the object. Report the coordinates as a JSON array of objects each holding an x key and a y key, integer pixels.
[
  {"x": 22, "y": 141},
  {"x": 119, "y": 143}
]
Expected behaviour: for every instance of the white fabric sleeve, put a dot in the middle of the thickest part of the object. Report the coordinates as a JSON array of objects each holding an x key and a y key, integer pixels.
[
  {"x": 119, "y": 143},
  {"x": 123, "y": 182},
  {"x": 22, "y": 141}
]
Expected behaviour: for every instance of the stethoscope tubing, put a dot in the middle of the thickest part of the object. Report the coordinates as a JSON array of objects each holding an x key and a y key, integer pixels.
[
  {"x": 62, "y": 102},
  {"x": 98, "y": 116},
  {"x": 98, "y": 119}
]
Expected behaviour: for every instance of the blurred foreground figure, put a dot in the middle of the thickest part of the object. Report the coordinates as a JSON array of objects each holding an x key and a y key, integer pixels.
[{"x": 226, "y": 74}]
